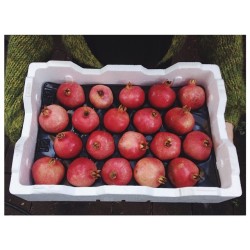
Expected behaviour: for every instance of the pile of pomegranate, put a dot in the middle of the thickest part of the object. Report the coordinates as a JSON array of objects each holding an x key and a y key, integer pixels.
[{"x": 122, "y": 135}]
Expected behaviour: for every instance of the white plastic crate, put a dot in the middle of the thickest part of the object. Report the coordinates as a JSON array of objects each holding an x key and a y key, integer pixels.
[{"x": 59, "y": 71}]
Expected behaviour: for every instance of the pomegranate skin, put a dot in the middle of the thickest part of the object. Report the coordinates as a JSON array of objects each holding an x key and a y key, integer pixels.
[
  {"x": 85, "y": 119},
  {"x": 166, "y": 146},
  {"x": 161, "y": 95},
  {"x": 100, "y": 144},
  {"x": 117, "y": 171},
  {"x": 70, "y": 94},
  {"x": 179, "y": 120},
  {"x": 192, "y": 95},
  {"x": 149, "y": 171},
  {"x": 47, "y": 170},
  {"x": 197, "y": 145},
  {"x": 132, "y": 145},
  {"x": 53, "y": 118},
  {"x": 116, "y": 120},
  {"x": 147, "y": 120},
  {"x": 101, "y": 96},
  {"x": 132, "y": 96},
  {"x": 82, "y": 172},
  {"x": 183, "y": 172},
  {"x": 67, "y": 145}
]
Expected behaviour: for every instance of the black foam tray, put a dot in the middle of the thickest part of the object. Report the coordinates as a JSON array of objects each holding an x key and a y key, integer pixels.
[{"x": 44, "y": 144}]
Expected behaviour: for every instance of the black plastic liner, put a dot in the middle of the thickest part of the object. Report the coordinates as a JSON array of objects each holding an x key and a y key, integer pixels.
[{"x": 44, "y": 145}]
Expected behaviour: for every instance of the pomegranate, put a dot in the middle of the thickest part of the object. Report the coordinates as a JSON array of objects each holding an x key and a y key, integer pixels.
[
  {"x": 192, "y": 95},
  {"x": 117, "y": 171},
  {"x": 147, "y": 120},
  {"x": 85, "y": 119},
  {"x": 116, "y": 120},
  {"x": 67, "y": 145},
  {"x": 179, "y": 120},
  {"x": 132, "y": 145},
  {"x": 161, "y": 95},
  {"x": 70, "y": 94},
  {"x": 150, "y": 171},
  {"x": 183, "y": 173},
  {"x": 53, "y": 118},
  {"x": 197, "y": 145},
  {"x": 100, "y": 144},
  {"x": 132, "y": 96},
  {"x": 82, "y": 172},
  {"x": 166, "y": 146},
  {"x": 47, "y": 170},
  {"x": 101, "y": 96}
]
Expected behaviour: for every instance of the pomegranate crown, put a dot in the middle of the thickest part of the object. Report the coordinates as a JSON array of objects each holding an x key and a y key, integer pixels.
[
  {"x": 186, "y": 109},
  {"x": 45, "y": 111},
  {"x": 86, "y": 110},
  {"x": 129, "y": 85},
  {"x": 122, "y": 108},
  {"x": 192, "y": 81},
  {"x": 168, "y": 83}
]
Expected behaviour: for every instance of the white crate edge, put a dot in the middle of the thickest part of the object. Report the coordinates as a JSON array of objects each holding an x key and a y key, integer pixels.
[{"x": 60, "y": 71}]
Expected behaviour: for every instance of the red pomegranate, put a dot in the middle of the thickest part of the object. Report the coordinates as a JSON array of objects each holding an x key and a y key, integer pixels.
[
  {"x": 166, "y": 146},
  {"x": 100, "y": 144},
  {"x": 150, "y": 172},
  {"x": 70, "y": 94},
  {"x": 132, "y": 145},
  {"x": 161, "y": 95},
  {"x": 132, "y": 96},
  {"x": 53, "y": 118},
  {"x": 67, "y": 145},
  {"x": 183, "y": 173},
  {"x": 116, "y": 120},
  {"x": 192, "y": 95},
  {"x": 147, "y": 120},
  {"x": 47, "y": 170},
  {"x": 101, "y": 96},
  {"x": 117, "y": 171},
  {"x": 82, "y": 172},
  {"x": 197, "y": 145},
  {"x": 85, "y": 119},
  {"x": 179, "y": 120}
]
